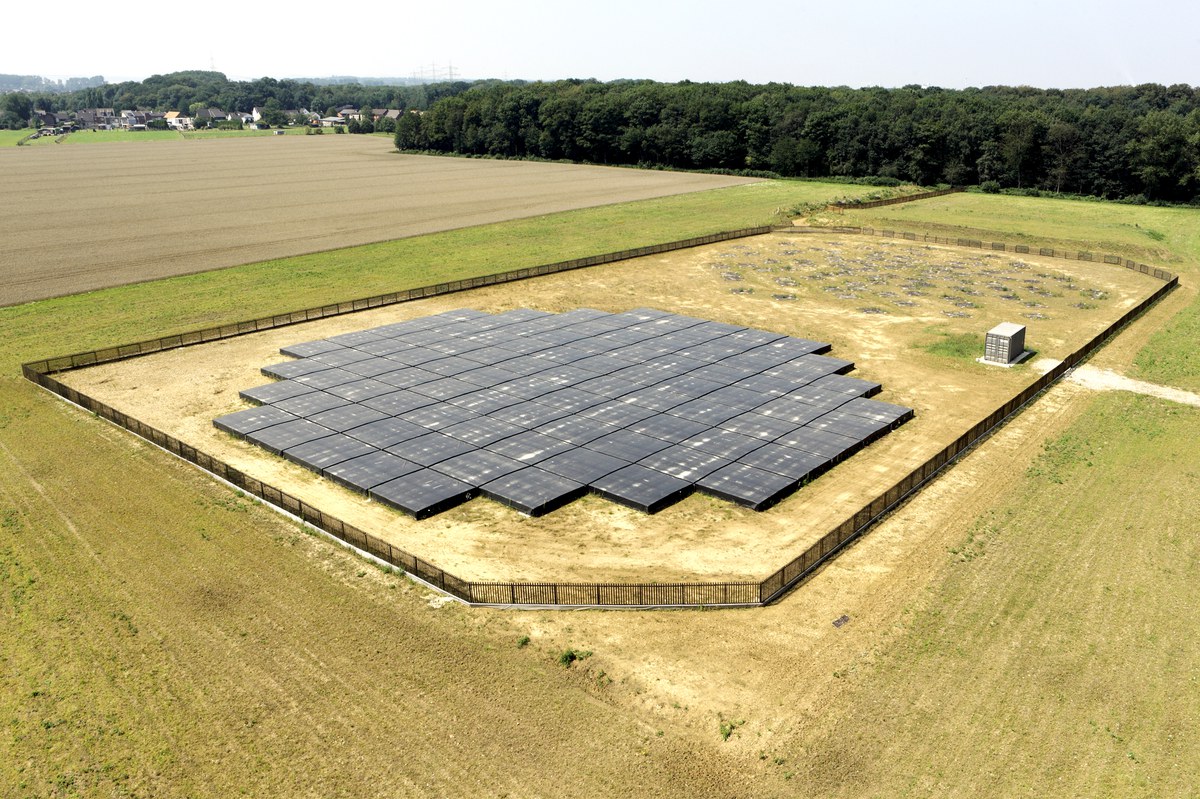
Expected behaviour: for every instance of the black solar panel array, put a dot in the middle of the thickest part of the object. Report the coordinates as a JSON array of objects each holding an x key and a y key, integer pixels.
[{"x": 533, "y": 409}]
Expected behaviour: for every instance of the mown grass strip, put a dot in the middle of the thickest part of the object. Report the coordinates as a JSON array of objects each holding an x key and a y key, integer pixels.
[
  {"x": 1173, "y": 355},
  {"x": 1167, "y": 236}
]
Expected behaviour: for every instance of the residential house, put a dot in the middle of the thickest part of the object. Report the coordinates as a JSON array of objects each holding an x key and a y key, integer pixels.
[
  {"x": 134, "y": 120},
  {"x": 50, "y": 119},
  {"x": 207, "y": 116},
  {"x": 289, "y": 114},
  {"x": 177, "y": 121},
  {"x": 97, "y": 118},
  {"x": 48, "y": 123}
]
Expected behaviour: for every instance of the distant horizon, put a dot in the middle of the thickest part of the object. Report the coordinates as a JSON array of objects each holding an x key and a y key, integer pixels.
[
  {"x": 377, "y": 80},
  {"x": 943, "y": 43}
]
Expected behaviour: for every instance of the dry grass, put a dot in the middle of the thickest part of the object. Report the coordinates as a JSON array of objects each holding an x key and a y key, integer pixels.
[{"x": 196, "y": 644}]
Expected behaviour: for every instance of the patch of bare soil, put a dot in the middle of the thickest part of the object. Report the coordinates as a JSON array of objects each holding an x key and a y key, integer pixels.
[{"x": 881, "y": 304}]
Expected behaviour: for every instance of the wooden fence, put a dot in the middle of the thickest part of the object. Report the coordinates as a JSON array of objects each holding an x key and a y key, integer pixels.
[
  {"x": 907, "y": 198},
  {"x": 136, "y": 349},
  {"x": 994, "y": 246},
  {"x": 566, "y": 594}
]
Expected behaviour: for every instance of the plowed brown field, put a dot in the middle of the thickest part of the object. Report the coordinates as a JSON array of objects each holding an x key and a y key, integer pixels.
[{"x": 82, "y": 218}]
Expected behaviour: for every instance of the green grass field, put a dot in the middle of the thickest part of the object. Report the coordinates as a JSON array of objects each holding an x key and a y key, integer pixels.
[
  {"x": 9, "y": 138},
  {"x": 163, "y": 636},
  {"x": 140, "y": 136},
  {"x": 125, "y": 137},
  {"x": 1165, "y": 236},
  {"x": 237, "y": 134}
]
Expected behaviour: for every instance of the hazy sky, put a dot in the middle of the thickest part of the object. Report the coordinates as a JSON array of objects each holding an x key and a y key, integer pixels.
[{"x": 949, "y": 43}]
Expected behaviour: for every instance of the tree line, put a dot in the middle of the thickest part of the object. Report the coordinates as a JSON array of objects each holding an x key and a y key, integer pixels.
[
  {"x": 1115, "y": 142},
  {"x": 1126, "y": 141}
]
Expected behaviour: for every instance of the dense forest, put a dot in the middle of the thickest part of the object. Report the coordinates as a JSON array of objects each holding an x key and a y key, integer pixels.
[
  {"x": 1139, "y": 142},
  {"x": 1112, "y": 142}
]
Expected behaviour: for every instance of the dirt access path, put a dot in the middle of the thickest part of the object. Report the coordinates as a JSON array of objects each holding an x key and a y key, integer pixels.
[
  {"x": 81, "y": 218},
  {"x": 1107, "y": 380}
]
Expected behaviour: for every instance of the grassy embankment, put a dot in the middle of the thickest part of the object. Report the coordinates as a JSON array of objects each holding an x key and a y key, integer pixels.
[{"x": 163, "y": 636}]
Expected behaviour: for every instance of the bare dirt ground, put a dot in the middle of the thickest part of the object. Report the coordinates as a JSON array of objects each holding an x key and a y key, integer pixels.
[
  {"x": 879, "y": 303},
  {"x": 81, "y": 218}
]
